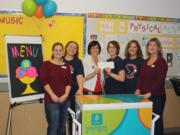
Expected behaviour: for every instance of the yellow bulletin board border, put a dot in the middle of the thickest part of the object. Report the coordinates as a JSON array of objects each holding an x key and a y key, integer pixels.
[
  {"x": 3, "y": 77},
  {"x": 163, "y": 36},
  {"x": 175, "y": 38},
  {"x": 116, "y": 25},
  {"x": 108, "y": 20},
  {"x": 132, "y": 17},
  {"x": 126, "y": 26},
  {"x": 174, "y": 46}
]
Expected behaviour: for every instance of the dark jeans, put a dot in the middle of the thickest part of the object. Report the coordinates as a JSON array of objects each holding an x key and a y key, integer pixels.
[
  {"x": 158, "y": 108},
  {"x": 71, "y": 104},
  {"x": 56, "y": 115}
]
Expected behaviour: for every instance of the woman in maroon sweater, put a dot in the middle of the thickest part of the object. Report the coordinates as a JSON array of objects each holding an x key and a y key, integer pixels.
[
  {"x": 55, "y": 77},
  {"x": 151, "y": 81}
]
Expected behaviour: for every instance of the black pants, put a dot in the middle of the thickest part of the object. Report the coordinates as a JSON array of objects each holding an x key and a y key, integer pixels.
[
  {"x": 158, "y": 108},
  {"x": 71, "y": 103}
]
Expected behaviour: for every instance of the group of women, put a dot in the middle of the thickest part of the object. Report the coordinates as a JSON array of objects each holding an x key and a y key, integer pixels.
[{"x": 65, "y": 76}]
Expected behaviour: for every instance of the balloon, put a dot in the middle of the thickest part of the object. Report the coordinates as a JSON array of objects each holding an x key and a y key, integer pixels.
[
  {"x": 29, "y": 7},
  {"x": 40, "y": 2},
  {"x": 48, "y": 0},
  {"x": 49, "y": 8},
  {"x": 39, "y": 13}
]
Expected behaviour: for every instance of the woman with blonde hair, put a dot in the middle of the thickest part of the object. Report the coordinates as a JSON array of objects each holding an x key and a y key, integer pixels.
[{"x": 151, "y": 81}]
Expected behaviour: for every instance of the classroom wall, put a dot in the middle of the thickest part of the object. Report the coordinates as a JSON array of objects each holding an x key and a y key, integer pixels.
[
  {"x": 25, "y": 116},
  {"x": 160, "y": 8}
]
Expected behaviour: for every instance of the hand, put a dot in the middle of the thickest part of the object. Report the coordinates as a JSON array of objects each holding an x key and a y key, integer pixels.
[
  {"x": 137, "y": 92},
  {"x": 79, "y": 92},
  {"x": 63, "y": 98},
  {"x": 108, "y": 70},
  {"x": 147, "y": 95},
  {"x": 96, "y": 70},
  {"x": 54, "y": 98}
]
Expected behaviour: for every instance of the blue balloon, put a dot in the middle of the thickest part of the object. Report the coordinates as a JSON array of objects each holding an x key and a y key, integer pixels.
[
  {"x": 49, "y": 8},
  {"x": 40, "y": 2},
  {"x": 48, "y": 0}
]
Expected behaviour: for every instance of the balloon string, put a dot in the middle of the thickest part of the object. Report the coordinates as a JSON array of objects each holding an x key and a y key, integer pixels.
[
  {"x": 41, "y": 20},
  {"x": 38, "y": 25}
]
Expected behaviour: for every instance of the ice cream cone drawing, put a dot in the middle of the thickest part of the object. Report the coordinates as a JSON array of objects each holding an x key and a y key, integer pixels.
[{"x": 27, "y": 74}]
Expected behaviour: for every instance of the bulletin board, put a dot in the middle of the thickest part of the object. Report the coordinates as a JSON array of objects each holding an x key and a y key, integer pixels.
[
  {"x": 123, "y": 28},
  {"x": 59, "y": 28}
]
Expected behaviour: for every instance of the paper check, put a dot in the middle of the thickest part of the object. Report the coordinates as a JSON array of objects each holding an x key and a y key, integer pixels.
[{"x": 103, "y": 65}]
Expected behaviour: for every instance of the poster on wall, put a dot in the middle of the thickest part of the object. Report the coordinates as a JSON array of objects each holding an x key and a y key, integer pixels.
[{"x": 24, "y": 58}]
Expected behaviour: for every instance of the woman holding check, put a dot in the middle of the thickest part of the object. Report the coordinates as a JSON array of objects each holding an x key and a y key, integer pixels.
[
  {"x": 92, "y": 74},
  {"x": 114, "y": 78}
]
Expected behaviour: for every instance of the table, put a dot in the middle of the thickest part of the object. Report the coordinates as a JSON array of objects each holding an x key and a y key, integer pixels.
[{"x": 124, "y": 114}]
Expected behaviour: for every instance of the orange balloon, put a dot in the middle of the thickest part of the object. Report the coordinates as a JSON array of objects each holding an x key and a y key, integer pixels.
[{"x": 39, "y": 13}]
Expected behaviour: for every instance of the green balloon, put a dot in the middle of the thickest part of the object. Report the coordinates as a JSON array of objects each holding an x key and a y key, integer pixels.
[{"x": 29, "y": 7}]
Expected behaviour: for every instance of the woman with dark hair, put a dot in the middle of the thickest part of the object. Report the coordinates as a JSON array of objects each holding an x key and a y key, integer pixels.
[
  {"x": 55, "y": 77},
  {"x": 93, "y": 75},
  {"x": 77, "y": 72},
  {"x": 133, "y": 63},
  {"x": 114, "y": 78},
  {"x": 151, "y": 81}
]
